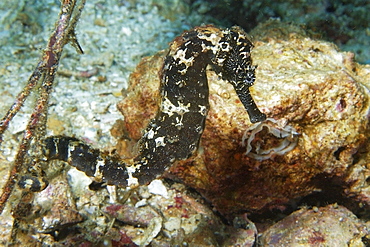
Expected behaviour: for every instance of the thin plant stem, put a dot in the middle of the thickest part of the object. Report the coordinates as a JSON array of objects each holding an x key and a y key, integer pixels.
[{"x": 63, "y": 33}]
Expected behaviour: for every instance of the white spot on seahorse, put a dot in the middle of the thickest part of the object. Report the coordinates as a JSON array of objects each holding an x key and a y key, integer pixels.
[
  {"x": 132, "y": 181},
  {"x": 98, "y": 175},
  {"x": 169, "y": 108},
  {"x": 150, "y": 134},
  {"x": 159, "y": 142},
  {"x": 202, "y": 110},
  {"x": 181, "y": 57},
  {"x": 213, "y": 38}
]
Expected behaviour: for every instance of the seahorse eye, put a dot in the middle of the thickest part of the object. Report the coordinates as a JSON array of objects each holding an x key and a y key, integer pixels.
[{"x": 249, "y": 78}]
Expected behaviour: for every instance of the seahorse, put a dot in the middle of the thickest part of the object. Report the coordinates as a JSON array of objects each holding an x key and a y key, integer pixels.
[{"x": 175, "y": 131}]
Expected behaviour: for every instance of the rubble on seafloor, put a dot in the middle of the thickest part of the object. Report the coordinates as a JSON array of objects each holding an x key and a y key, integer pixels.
[
  {"x": 318, "y": 100},
  {"x": 70, "y": 213}
]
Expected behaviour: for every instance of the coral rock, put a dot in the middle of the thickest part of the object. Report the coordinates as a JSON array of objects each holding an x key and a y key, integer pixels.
[
  {"x": 327, "y": 226},
  {"x": 313, "y": 93}
]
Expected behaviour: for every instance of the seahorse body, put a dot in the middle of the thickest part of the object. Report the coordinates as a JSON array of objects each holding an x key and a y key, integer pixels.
[{"x": 175, "y": 132}]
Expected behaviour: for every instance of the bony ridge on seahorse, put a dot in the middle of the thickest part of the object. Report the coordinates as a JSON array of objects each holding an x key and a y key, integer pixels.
[{"x": 175, "y": 131}]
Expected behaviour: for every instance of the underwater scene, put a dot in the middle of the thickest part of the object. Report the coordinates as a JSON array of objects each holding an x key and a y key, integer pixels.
[{"x": 185, "y": 123}]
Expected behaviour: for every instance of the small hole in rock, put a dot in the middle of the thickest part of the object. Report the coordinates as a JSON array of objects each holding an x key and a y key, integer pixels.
[
  {"x": 330, "y": 8},
  {"x": 337, "y": 153},
  {"x": 343, "y": 103},
  {"x": 95, "y": 186},
  {"x": 367, "y": 181}
]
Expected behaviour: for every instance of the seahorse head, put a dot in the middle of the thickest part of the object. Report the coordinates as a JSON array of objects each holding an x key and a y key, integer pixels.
[{"x": 234, "y": 57}]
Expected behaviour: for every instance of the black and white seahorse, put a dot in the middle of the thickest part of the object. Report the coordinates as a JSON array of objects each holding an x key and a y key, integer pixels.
[{"x": 175, "y": 131}]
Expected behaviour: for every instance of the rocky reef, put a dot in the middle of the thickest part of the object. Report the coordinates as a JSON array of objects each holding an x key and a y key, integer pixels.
[{"x": 316, "y": 141}]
